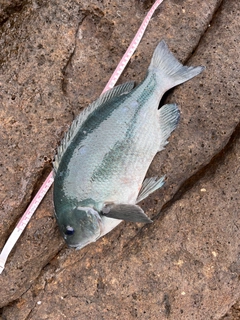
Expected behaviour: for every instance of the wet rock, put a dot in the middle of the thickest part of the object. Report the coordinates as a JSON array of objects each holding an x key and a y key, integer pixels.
[
  {"x": 233, "y": 313},
  {"x": 51, "y": 68},
  {"x": 32, "y": 58},
  {"x": 9, "y": 7},
  {"x": 184, "y": 266}
]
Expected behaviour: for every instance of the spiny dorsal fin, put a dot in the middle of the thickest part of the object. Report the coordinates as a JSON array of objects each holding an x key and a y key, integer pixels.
[
  {"x": 80, "y": 119},
  {"x": 149, "y": 185}
]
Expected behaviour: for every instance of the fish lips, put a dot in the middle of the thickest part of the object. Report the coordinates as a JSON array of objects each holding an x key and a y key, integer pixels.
[{"x": 78, "y": 246}]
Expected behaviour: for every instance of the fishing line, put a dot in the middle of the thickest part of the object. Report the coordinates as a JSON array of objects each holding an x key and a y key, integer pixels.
[{"x": 48, "y": 182}]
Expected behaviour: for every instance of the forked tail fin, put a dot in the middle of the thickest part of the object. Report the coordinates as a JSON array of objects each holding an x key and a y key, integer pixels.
[{"x": 168, "y": 69}]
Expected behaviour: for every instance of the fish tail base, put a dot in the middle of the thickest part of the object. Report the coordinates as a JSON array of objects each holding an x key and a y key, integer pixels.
[{"x": 168, "y": 69}]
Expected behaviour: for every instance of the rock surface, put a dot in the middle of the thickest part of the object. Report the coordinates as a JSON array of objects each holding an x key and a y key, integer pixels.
[
  {"x": 233, "y": 313},
  {"x": 56, "y": 57}
]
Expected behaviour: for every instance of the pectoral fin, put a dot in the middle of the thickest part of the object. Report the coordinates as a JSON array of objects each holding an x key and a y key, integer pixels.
[{"x": 127, "y": 212}]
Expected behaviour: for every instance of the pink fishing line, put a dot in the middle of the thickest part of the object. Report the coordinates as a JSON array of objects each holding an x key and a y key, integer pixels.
[
  {"x": 132, "y": 47},
  {"x": 48, "y": 182}
]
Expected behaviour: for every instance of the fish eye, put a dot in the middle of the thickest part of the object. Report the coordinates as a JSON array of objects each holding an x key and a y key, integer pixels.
[{"x": 69, "y": 230}]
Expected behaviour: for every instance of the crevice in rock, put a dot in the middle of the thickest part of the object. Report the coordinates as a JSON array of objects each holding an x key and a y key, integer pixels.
[
  {"x": 30, "y": 288},
  {"x": 146, "y": 5},
  {"x": 166, "y": 97},
  {"x": 33, "y": 188},
  {"x": 64, "y": 70},
  {"x": 14, "y": 7},
  {"x": 59, "y": 270},
  {"x": 36, "y": 302},
  {"x": 187, "y": 185},
  {"x": 47, "y": 168},
  {"x": 233, "y": 312},
  {"x": 215, "y": 13},
  {"x": 97, "y": 17},
  {"x": 208, "y": 169}
]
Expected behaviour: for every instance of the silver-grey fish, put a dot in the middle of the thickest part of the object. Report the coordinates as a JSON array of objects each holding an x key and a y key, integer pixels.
[{"x": 104, "y": 157}]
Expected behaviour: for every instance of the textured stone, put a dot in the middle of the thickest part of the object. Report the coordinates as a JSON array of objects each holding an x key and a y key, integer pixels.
[
  {"x": 57, "y": 56},
  {"x": 183, "y": 266},
  {"x": 9, "y": 7},
  {"x": 233, "y": 313}
]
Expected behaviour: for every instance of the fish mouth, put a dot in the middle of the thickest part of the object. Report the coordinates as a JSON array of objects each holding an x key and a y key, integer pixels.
[{"x": 79, "y": 246}]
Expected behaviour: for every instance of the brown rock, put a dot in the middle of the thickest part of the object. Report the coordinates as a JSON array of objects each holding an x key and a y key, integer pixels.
[
  {"x": 180, "y": 267},
  {"x": 9, "y": 7},
  {"x": 184, "y": 266},
  {"x": 233, "y": 313}
]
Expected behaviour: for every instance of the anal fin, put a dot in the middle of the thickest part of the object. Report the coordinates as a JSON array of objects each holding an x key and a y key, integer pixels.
[{"x": 149, "y": 185}]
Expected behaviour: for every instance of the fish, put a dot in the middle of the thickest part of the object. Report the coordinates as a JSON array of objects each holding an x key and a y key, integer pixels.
[{"x": 101, "y": 163}]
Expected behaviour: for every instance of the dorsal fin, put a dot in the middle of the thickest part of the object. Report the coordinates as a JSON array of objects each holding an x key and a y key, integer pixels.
[{"x": 80, "y": 119}]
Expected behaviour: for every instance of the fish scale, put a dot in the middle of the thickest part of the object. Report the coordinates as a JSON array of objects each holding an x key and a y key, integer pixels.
[
  {"x": 127, "y": 156},
  {"x": 121, "y": 134},
  {"x": 103, "y": 159}
]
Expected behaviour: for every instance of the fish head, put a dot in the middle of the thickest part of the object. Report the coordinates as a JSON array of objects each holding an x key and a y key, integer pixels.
[{"x": 80, "y": 226}]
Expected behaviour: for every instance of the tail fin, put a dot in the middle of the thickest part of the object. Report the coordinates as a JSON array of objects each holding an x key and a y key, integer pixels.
[{"x": 169, "y": 70}]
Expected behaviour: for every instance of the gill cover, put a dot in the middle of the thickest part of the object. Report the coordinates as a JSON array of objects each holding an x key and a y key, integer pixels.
[{"x": 80, "y": 227}]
